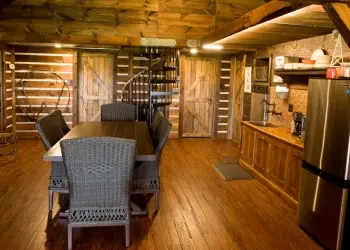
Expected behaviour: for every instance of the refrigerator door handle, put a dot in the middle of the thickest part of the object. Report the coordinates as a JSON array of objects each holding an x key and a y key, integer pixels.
[{"x": 326, "y": 176}]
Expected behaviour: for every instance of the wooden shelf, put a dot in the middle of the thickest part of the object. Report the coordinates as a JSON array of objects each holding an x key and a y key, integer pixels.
[
  {"x": 162, "y": 81},
  {"x": 164, "y": 69},
  {"x": 301, "y": 72}
]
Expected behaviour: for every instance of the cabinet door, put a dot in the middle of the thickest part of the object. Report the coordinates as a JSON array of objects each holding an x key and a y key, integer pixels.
[
  {"x": 261, "y": 153},
  {"x": 278, "y": 163},
  {"x": 294, "y": 161},
  {"x": 247, "y": 148}
]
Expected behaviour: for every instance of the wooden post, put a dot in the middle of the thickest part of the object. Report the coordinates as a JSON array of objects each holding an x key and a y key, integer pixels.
[
  {"x": 115, "y": 77},
  {"x": 182, "y": 73},
  {"x": 231, "y": 98},
  {"x": 13, "y": 86},
  {"x": 131, "y": 74},
  {"x": 75, "y": 96},
  {"x": 217, "y": 98},
  {"x": 3, "y": 98}
]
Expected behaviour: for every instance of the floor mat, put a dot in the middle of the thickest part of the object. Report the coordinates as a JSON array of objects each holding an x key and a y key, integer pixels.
[
  {"x": 232, "y": 172},
  {"x": 230, "y": 159}
]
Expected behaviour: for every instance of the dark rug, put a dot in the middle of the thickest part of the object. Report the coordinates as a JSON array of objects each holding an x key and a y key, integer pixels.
[{"x": 232, "y": 172}]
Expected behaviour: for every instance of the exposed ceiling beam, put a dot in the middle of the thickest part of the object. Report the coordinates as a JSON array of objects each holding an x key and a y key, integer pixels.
[
  {"x": 339, "y": 13},
  {"x": 83, "y": 39},
  {"x": 5, "y": 3},
  {"x": 250, "y": 19},
  {"x": 306, "y": 2}
]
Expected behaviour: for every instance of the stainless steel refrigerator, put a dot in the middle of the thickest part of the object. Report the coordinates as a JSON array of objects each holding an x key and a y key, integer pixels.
[{"x": 324, "y": 204}]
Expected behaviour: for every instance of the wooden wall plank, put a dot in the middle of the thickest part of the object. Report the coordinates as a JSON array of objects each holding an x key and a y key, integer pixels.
[{"x": 75, "y": 81}]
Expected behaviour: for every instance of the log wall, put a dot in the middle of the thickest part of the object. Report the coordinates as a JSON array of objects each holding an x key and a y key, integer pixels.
[{"x": 43, "y": 78}]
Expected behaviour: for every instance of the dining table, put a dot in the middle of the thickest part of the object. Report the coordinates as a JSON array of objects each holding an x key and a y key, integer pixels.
[{"x": 136, "y": 130}]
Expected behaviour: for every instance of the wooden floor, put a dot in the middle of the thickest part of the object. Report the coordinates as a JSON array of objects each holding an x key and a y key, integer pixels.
[{"x": 198, "y": 209}]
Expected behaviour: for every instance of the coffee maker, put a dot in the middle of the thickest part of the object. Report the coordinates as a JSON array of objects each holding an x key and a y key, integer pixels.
[{"x": 298, "y": 121}]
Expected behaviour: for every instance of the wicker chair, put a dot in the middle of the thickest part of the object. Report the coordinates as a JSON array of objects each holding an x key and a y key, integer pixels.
[
  {"x": 155, "y": 123},
  {"x": 99, "y": 175},
  {"x": 50, "y": 134},
  {"x": 118, "y": 112},
  {"x": 61, "y": 122},
  {"x": 146, "y": 174}
]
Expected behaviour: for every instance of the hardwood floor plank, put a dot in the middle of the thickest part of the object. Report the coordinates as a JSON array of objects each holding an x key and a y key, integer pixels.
[{"x": 198, "y": 210}]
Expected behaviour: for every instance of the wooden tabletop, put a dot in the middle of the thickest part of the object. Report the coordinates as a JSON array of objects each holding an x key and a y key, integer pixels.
[{"x": 129, "y": 130}]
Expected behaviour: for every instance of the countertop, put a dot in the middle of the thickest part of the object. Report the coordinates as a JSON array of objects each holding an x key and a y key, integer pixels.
[{"x": 279, "y": 133}]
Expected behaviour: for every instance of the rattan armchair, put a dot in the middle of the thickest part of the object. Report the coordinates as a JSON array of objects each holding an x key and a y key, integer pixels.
[
  {"x": 8, "y": 140},
  {"x": 118, "y": 112},
  {"x": 99, "y": 174},
  {"x": 50, "y": 133},
  {"x": 146, "y": 174},
  {"x": 155, "y": 123},
  {"x": 60, "y": 121}
]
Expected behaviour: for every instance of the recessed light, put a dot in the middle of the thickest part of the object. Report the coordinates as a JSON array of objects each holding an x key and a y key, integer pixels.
[
  {"x": 58, "y": 45},
  {"x": 213, "y": 46},
  {"x": 194, "y": 51}
]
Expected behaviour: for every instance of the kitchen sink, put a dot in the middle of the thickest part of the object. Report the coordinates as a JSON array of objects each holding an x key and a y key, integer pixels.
[{"x": 262, "y": 124}]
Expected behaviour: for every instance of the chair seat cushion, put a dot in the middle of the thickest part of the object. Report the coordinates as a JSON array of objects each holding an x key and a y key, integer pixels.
[{"x": 109, "y": 214}]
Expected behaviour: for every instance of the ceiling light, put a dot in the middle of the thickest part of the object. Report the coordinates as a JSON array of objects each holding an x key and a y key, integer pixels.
[
  {"x": 213, "y": 46},
  {"x": 58, "y": 45},
  {"x": 194, "y": 51}
]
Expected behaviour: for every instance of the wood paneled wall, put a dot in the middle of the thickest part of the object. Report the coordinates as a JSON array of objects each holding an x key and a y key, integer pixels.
[
  {"x": 39, "y": 83},
  {"x": 223, "y": 105}
]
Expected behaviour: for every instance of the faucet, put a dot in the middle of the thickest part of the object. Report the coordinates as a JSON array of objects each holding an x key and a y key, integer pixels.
[{"x": 273, "y": 111}]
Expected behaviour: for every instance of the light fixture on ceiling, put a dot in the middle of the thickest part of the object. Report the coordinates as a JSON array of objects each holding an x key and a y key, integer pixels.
[
  {"x": 194, "y": 51},
  {"x": 212, "y": 46},
  {"x": 157, "y": 42},
  {"x": 58, "y": 45}
]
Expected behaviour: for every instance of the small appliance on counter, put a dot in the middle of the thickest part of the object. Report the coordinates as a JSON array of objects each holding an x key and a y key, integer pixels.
[{"x": 298, "y": 120}]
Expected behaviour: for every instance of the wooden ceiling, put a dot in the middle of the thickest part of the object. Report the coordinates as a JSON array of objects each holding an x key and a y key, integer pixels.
[
  {"x": 303, "y": 23},
  {"x": 116, "y": 22}
]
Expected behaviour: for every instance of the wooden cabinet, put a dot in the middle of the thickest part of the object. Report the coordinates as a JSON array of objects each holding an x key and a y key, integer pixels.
[
  {"x": 294, "y": 161},
  {"x": 278, "y": 163},
  {"x": 261, "y": 152},
  {"x": 247, "y": 147}
]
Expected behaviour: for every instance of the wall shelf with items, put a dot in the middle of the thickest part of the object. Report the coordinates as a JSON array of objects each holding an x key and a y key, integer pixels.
[{"x": 300, "y": 72}]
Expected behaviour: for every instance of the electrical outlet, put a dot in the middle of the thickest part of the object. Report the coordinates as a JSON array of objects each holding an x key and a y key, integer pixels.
[{"x": 290, "y": 107}]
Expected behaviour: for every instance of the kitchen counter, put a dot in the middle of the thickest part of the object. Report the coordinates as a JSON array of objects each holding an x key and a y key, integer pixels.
[{"x": 279, "y": 133}]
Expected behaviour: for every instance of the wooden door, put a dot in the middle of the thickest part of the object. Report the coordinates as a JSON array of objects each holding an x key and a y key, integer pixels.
[
  {"x": 278, "y": 163},
  {"x": 294, "y": 161},
  {"x": 247, "y": 148},
  {"x": 262, "y": 143},
  {"x": 199, "y": 80},
  {"x": 95, "y": 84}
]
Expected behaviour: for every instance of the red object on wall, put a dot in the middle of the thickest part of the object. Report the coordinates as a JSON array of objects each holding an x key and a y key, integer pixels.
[{"x": 331, "y": 73}]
